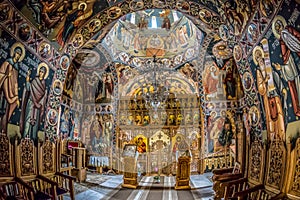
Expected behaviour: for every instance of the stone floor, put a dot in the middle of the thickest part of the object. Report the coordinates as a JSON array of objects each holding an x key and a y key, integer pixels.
[{"x": 99, "y": 186}]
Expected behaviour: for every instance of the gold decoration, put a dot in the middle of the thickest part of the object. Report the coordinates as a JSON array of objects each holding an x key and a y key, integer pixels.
[{"x": 5, "y": 169}]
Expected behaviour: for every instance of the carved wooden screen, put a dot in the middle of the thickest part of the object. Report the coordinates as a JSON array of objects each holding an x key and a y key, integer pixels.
[
  {"x": 256, "y": 162},
  {"x": 6, "y": 159},
  {"x": 26, "y": 158},
  {"x": 47, "y": 158},
  {"x": 293, "y": 183},
  {"x": 275, "y": 165}
]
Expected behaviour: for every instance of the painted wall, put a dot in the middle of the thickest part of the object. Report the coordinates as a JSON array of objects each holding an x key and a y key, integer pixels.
[
  {"x": 274, "y": 64},
  {"x": 25, "y": 81}
]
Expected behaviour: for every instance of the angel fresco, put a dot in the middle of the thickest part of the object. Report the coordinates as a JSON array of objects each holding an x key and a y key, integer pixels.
[{"x": 289, "y": 39}]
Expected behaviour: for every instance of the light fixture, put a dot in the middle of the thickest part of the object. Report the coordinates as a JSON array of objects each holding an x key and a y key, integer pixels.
[{"x": 155, "y": 90}]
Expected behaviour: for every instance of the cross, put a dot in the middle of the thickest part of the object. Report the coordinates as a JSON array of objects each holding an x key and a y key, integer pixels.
[{"x": 160, "y": 135}]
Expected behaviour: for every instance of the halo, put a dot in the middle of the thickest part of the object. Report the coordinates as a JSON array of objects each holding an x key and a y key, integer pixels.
[
  {"x": 178, "y": 138},
  {"x": 278, "y": 18},
  {"x": 213, "y": 68},
  {"x": 213, "y": 114},
  {"x": 82, "y": 3},
  {"x": 14, "y": 46},
  {"x": 47, "y": 69},
  {"x": 257, "y": 48},
  {"x": 223, "y": 113}
]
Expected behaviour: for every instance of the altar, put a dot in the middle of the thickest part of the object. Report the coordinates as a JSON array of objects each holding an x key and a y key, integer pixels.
[{"x": 98, "y": 161}]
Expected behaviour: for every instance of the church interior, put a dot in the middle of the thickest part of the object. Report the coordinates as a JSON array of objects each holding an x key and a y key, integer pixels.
[{"x": 150, "y": 99}]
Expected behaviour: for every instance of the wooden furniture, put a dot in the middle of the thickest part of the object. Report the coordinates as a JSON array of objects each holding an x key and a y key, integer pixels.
[
  {"x": 183, "y": 173},
  {"x": 234, "y": 186},
  {"x": 260, "y": 184},
  {"x": 130, "y": 173},
  {"x": 6, "y": 159},
  {"x": 64, "y": 157},
  {"x": 281, "y": 177},
  {"x": 292, "y": 181},
  {"x": 37, "y": 167},
  {"x": 16, "y": 190},
  {"x": 224, "y": 175},
  {"x": 26, "y": 161},
  {"x": 79, "y": 158},
  {"x": 63, "y": 183},
  {"x": 254, "y": 175}
]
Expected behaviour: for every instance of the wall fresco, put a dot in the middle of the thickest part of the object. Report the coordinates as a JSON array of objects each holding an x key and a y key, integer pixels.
[{"x": 24, "y": 84}]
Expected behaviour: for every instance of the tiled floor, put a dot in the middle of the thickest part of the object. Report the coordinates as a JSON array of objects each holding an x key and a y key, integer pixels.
[{"x": 109, "y": 187}]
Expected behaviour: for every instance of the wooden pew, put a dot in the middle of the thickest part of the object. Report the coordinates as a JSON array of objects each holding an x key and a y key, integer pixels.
[
  {"x": 16, "y": 189},
  {"x": 27, "y": 170},
  {"x": 226, "y": 186},
  {"x": 63, "y": 183},
  {"x": 275, "y": 175},
  {"x": 222, "y": 176}
]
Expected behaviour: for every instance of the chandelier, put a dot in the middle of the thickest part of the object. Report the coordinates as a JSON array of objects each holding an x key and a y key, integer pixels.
[{"x": 155, "y": 90}]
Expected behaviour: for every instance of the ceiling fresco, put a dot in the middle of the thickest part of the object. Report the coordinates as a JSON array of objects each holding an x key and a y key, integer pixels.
[
  {"x": 57, "y": 20},
  {"x": 161, "y": 33}
]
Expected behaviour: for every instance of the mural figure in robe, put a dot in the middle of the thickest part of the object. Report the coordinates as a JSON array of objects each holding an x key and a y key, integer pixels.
[
  {"x": 211, "y": 81},
  {"x": 166, "y": 20},
  {"x": 72, "y": 22},
  {"x": 48, "y": 20},
  {"x": 215, "y": 125},
  {"x": 36, "y": 8},
  {"x": 289, "y": 39},
  {"x": 9, "y": 71},
  {"x": 269, "y": 87},
  {"x": 96, "y": 133},
  {"x": 107, "y": 125},
  {"x": 64, "y": 123},
  {"x": 108, "y": 86},
  {"x": 229, "y": 80},
  {"x": 226, "y": 135},
  {"x": 33, "y": 103}
]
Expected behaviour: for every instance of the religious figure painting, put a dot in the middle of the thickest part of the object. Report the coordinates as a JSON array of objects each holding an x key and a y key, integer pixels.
[
  {"x": 58, "y": 20},
  {"x": 9, "y": 72},
  {"x": 141, "y": 142},
  {"x": 33, "y": 103},
  {"x": 52, "y": 117},
  {"x": 211, "y": 80},
  {"x": 270, "y": 87},
  {"x": 289, "y": 38}
]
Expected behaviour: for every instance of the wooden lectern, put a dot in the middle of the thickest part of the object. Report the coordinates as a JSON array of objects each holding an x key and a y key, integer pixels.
[
  {"x": 130, "y": 173},
  {"x": 79, "y": 159},
  {"x": 183, "y": 173},
  {"x": 130, "y": 166}
]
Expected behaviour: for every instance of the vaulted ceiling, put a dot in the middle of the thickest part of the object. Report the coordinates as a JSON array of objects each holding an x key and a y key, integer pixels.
[{"x": 96, "y": 34}]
